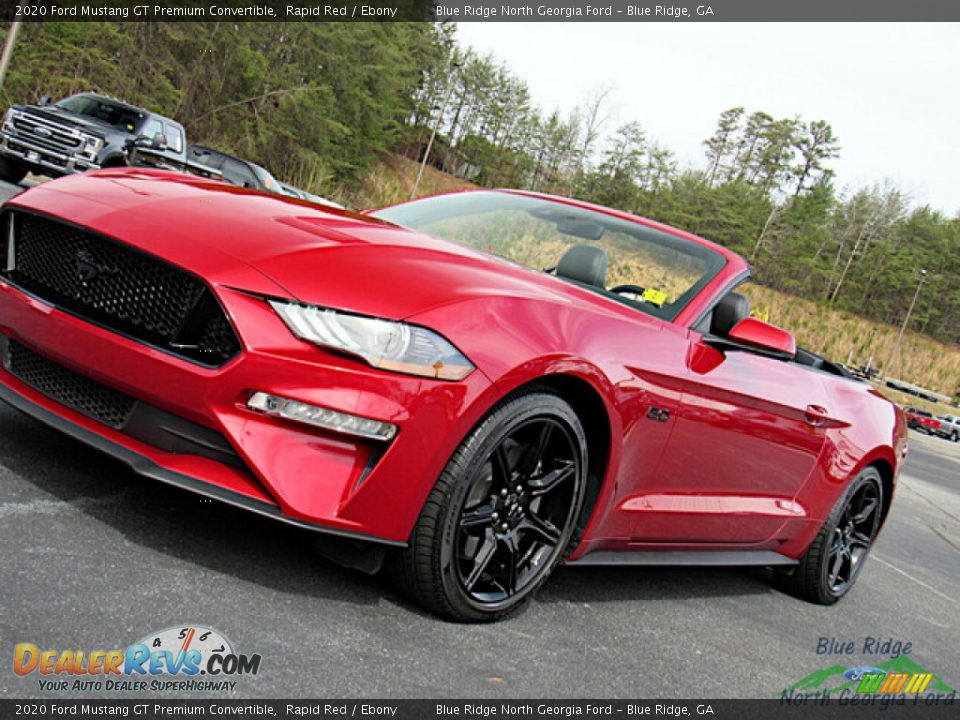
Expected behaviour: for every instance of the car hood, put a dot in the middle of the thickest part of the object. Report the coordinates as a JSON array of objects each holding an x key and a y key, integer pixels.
[{"x": 329, "y": 258}]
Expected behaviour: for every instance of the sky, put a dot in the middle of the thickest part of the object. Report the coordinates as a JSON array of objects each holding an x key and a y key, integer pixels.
[{"x": 889, "y": 90}]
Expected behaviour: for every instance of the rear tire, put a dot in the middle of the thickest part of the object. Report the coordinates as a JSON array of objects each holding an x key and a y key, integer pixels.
[
  {"x": 12, "y": 171},
  {"x": 832, "y": 563},
  {"x": 501, "y": 515}
]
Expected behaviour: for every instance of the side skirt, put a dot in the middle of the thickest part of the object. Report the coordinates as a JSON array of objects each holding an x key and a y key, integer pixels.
[{"x": 707, "y": 558}]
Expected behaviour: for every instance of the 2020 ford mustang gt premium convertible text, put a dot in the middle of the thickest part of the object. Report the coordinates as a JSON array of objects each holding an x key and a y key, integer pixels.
[{"x": 401, "y": 382}]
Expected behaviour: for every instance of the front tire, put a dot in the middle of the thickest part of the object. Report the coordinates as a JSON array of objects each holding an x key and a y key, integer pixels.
[
  {"x": 832, "y": 563},
  {"x": 501, "y": 515},
  {"x": 12, "y": 171}
]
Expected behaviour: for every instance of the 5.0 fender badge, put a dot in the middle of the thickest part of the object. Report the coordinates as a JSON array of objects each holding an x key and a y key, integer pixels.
[{"x": 658, "y": 414}]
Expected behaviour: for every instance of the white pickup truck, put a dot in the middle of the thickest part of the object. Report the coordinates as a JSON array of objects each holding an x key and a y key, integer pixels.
[{"x": 949, "y": 427}]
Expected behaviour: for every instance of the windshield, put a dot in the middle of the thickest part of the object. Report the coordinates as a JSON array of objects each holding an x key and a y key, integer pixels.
[
  {"x": 119, "y": 116},
  {"x": 268, "y": 181},
  {"x": 665, "y": 271}
]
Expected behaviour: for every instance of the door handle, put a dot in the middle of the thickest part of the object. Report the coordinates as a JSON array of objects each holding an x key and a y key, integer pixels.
[{"x": 816, "y": 415}]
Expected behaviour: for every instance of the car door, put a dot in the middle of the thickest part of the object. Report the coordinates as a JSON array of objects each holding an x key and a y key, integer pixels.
[{"x": 748, "y": 431}]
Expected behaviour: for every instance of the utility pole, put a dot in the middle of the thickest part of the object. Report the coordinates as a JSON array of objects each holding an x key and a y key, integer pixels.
[
  {"x": 12, "y": 33},
  {"x": 433, "y": 134},
  {"x": 896, "y": 346}
]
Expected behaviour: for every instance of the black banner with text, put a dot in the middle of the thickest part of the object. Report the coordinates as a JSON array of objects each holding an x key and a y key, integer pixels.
[
  {"x": 478, "y": 10},
  {"x": 851, "y": 708}
]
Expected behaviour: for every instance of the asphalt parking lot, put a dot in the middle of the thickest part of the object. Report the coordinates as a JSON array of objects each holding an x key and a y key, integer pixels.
[{"x": 93, "y": 556}]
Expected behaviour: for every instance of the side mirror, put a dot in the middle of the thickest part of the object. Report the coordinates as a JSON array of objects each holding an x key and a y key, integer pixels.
[
  {"x": 763, "y": 336},
  {"x": 159, "y": 141},
  {"x": 45, "y": 100}
]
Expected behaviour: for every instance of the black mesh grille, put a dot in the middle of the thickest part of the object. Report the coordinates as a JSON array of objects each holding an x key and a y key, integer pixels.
[
  {"x": 120, "y": 288},
  {"x": 4, "y": 231},
  {"x": 69, "y": 388}
]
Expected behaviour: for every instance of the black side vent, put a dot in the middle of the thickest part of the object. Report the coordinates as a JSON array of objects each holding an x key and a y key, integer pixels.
[
  {"x": 6, "y": 260},
  {"x": 118, "y": 287},
  {"x": 137, "y": 419},
  {"x": 84, "y": 395}
]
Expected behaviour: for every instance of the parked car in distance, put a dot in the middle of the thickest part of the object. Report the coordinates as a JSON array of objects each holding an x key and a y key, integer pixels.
[
  {"x": 309, "y": 197},
  {"x": 918, "y": 419},
  {"x": 83, "y": 132},
  {"x": 949, "y": 427},
  {"x": 234, "y": 170},
  {"x": 238, "y": 171}
]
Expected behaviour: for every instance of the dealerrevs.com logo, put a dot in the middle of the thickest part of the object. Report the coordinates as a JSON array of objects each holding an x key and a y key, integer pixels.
[{"x": 184, "y": 658}]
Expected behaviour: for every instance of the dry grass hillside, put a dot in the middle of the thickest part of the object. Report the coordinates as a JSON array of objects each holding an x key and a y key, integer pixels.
[
  {"x": 841, "y": 336},
  {"x": 837, "y": 335},
  {"x": 391, "y": 180}
]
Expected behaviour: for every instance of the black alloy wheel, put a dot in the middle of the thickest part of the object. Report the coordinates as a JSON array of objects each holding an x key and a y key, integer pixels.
[
  {"x": 835, "y": 558},
  {"x": 852, "y": 537},
  {"x": 519, "y": 502},
  {"x": 502, "y": 513}
]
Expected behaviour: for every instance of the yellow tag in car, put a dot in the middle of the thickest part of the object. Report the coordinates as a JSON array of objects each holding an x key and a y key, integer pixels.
[{"x": 657, "y": 297}]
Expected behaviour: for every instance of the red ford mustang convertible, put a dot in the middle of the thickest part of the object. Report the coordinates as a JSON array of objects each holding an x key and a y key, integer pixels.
[{"x": 464, "y": 390}]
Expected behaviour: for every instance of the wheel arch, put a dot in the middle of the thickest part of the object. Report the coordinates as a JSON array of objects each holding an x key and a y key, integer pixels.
[
  {"x": 116, "y": 159},
  {"x": 590, "y": 408},
  {"x": 883, "y": 459},
  {"x": 590, "y": 393},
  {"x": 883, "y": 466}
]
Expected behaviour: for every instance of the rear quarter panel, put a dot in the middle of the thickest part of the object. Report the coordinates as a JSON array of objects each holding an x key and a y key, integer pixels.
[{"x": 873, "y": 432}]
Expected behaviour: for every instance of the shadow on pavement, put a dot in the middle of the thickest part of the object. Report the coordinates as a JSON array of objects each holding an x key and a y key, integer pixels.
[{"x": 267, "y": 553}]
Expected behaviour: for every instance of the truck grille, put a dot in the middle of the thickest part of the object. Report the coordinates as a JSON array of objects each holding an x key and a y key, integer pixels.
[
  {"x": 48, "y": 133},
  {"x": 119, "y": 288}
]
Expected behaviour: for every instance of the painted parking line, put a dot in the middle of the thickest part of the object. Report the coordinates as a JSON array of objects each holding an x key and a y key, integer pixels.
[{"x": 919, "y": 582}]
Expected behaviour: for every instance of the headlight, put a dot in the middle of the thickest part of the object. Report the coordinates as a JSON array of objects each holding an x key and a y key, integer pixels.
[
  {"x": 384, "y": 344},
  {"x": 92, "y": 145},
  {"x": 8, "y": 117}
]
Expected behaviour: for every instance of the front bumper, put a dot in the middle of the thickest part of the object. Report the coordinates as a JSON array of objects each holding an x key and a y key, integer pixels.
[
  {"x": 313, "y": 478},
  {"x": 20, "y": 148}
]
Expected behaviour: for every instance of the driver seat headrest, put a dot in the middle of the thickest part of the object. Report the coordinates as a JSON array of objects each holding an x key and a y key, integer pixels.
[
  {"x": 585, "y": 264},
  {"x": 733, "y": 308}
]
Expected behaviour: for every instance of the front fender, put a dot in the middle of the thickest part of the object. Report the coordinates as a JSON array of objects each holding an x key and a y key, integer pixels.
[{"x": 516, "y": 341}]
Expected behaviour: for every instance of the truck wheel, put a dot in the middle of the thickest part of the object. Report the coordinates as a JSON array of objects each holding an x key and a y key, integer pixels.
[
  {"x": 114, "y": 161},
  {"x": 12, "y": 171},
  {"x": 956, "y": 436}
]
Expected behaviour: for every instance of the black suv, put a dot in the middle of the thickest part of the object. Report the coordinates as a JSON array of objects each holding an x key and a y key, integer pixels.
[
  {"x": 247, "y": 174},
  {"x": 234, "y": 170}
]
